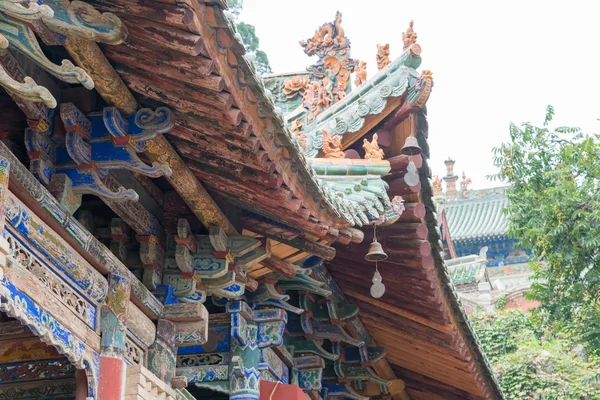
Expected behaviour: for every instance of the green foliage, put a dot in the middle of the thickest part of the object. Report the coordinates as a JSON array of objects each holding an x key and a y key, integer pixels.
[
  {"x": 532, "y": 362},
  {"x": 501, "y": 302},
  {"x": 554, "y": 210},
  {"x": 249, "y": 38}
]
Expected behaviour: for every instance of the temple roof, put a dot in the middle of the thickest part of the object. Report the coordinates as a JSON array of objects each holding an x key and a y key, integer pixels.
[
  {"x": 479, "y": 217},
  {"x": 465, "y": 270}
]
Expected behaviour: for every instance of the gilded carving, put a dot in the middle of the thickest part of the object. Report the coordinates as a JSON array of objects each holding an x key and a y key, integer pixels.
[
  {"x": 360, "y": 73},
  {"x": 109, "y": 85},
  {"x": 295, "y": 86},
  {"x": 332, "y": 146},
  {"x": 383, "y": 56},
  {"x": 372, "y": 150}
]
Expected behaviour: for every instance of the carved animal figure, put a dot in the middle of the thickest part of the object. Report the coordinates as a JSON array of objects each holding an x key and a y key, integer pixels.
[{"x": 332, "y": 146}]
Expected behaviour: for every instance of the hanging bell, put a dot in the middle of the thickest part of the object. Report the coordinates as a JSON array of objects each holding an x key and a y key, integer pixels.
[
  {"x": 411, "y": 146},
  {"x": 376, "y": 252}
]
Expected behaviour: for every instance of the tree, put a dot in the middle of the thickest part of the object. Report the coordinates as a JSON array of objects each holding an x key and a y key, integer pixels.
[
  {"x": 531, "y": 362},
  {"x": 554, "y": 210},
  {"x": 249, "y": 38}
]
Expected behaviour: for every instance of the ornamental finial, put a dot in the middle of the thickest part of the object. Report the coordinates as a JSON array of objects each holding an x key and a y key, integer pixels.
[
  {"x": 383, "y": 56},
  {"x": 409, "y": 37},
  {"x": 437, "y": 186},
  {"x": 360, "y": 72}
]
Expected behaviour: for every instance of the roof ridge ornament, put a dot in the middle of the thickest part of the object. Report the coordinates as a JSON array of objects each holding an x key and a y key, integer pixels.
[
  {"x": 329, "y": 39},
  {"x": 372, "y": 150},
  {"x": 409, "y": 37},
  {"x": 383, "y": 56},
  {"x": 332, "y": 146}
]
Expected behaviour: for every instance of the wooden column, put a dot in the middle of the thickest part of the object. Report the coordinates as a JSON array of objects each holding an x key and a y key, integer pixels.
[
  {"x": 81, "y": 385},
  {"x": 111, "y": 384}
]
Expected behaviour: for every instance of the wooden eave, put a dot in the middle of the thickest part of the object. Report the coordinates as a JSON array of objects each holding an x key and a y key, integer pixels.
[
  {"x": 185, "y": 55},
  {"x": 419, "y": 320}
]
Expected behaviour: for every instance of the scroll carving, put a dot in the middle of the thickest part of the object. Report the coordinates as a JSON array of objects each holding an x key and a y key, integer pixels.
[
  {"x": 70, "y": 298},
  {"x": 33, "y": 11},
  {"x": 21, "y": 37},
  {"x": 81, "y": 19}
]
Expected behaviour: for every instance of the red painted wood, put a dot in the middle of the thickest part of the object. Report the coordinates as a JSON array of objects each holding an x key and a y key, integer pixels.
[
  {"x": 282, "y": 391},
  {"x": 111, "y": 384},
  {"x": 81, "y": 385}
]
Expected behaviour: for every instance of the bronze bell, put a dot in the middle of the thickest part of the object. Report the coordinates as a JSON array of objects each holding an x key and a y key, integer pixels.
[
  {"x": 411, "y": 146},
  {"x": 376, "y": 252}
]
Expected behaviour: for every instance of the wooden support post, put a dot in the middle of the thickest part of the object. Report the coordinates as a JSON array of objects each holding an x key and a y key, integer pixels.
[
  {"x": 279, "y": 266},
  {"x": 81, "y": 385},
  {"x": 161, "y": 355},
  {"x": 111, "y": 385},
  {"x": 318, "y": 249}
]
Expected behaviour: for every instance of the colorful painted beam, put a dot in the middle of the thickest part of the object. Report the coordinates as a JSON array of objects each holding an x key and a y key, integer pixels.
[{"x": 70, "y": 229}]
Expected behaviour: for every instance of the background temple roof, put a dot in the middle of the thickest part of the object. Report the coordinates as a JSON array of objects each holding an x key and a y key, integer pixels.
[{"x": 478, "y": 217}]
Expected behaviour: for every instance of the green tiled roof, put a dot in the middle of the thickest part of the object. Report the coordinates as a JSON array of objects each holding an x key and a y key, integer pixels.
[
  {"x": 476, "y": 218},
  {"x": 465, "y": 270}
]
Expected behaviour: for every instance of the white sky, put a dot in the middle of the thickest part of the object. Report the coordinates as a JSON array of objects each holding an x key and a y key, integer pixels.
[{"x": 492, "y": 62}]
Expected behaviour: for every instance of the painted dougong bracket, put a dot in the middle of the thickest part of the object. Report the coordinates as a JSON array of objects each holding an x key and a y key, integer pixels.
[
  {"x": 209, "y": 261},
  {"x": 92, "y": 146},
  {"x": 21, "y": 37},
  {"x": 33, "y": 11},
  {"x": 28, "y": 90},
  {"x": 80, "y": 19}
]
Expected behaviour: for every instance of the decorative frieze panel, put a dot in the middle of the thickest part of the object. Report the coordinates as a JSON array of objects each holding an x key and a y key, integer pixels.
[
  {"x": 47, "y": 242},
  {"x": 195, "y": 360},
  {"x": 50, "y": 331},
  {"x": 134, "y": 354},
  {"x": 38, "y": 390},
  {"x": 38, "y": 370},
  {"x": 71, "y": 299}
]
